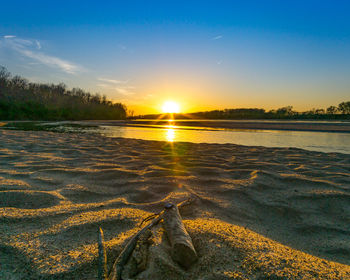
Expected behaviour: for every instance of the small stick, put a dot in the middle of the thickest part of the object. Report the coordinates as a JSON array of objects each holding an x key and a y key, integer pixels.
[
  {"x": 102, "y": 257},
  {"x": 182, "y": 250}
]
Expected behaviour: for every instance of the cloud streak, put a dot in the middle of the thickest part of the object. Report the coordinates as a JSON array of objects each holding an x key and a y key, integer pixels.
[
  {"x": 38, "y": 45},
  {"x": 125, "y": 91},
  {"x": 217, "y": 37},
  {"x": 30, "y": 49},
  {"x": 121, "y": 88},
  {"x": 113, "y": 81}
]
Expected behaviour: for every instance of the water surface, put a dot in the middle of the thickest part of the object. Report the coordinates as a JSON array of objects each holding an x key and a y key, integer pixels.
[
  {"x": 322, "y": 141},
  {"x": 314, "y": 141}
]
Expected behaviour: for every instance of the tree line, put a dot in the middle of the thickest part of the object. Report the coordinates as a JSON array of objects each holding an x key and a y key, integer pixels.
[
  {"x": 287, "y": 112},
  {"x": 341, "y": 112},
  {"x": 24, "y": 100}
]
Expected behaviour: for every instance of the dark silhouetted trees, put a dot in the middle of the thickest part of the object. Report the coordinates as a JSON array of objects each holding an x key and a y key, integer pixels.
[
  {"x": 344, "y": 107},
  {"x": 332, "y": 113},
  {"x": 332, "y": 110},
  {"x": 23, "y": 100}
]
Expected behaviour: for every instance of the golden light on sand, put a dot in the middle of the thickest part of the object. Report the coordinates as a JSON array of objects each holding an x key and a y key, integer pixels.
[{"x": 170, "y": 107}]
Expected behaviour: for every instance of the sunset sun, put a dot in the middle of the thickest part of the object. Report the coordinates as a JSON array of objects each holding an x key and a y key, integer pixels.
[{"x": 170, "y": 107}]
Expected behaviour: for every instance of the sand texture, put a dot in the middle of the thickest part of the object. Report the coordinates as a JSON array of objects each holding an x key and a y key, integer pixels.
[{"x": 261, "y": 213}]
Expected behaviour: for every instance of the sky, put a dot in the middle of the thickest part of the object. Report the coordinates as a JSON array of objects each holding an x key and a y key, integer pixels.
[{"x": 204, "y": 55}]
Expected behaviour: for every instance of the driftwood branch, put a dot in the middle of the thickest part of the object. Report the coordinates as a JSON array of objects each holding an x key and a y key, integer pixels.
[
  {"x": 102, "y": 257},
  {"x": 120, "y": 262},
  {"x": 182, "y": 249},
  {"x": 117, "y": 268}
]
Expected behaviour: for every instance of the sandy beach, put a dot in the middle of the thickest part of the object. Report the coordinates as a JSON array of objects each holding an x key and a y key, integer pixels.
[{"x": 261, "y": 213}]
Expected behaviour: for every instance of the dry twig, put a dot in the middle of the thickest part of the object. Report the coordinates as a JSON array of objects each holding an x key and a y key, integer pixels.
[{"x": 102, "y": 258}]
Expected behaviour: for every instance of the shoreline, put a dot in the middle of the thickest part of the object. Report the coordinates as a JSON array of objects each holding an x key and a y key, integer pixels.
[
  {"x": 286, "y": 125},
  {"x": 262, "y": 212},
  {"x": 321, "y": 126},
  {"x": 254, "y": 125}
]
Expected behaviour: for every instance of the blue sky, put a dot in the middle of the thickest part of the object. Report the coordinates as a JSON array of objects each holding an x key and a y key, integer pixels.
[{"x": 202, "y": 54}]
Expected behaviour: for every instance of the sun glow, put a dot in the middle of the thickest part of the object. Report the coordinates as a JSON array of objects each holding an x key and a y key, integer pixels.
[{"x": 170, "y": 107}]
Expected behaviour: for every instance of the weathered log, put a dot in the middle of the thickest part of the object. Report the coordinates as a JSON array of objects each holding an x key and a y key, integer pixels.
[
  {"x": 102, "y": 257},
  {"x": 182, "y": 249}
]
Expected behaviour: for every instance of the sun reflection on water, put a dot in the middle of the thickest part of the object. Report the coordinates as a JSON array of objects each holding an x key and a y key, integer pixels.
[{"x": 170, "y": 133}]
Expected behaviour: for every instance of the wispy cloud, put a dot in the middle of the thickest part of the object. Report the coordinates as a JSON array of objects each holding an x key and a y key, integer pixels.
[
  {"x": 64, "y": 65},
  {"x": 30, "y": 49},
  {"x": 112, "y": 81},
  {"x": 38, "y": 45},
  {"x": 217, "y": 37},
  {"x": 125, "y": 91},
  {"x": 122, "y": 86}
]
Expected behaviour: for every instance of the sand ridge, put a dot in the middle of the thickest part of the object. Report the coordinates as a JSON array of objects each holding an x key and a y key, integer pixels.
[{"x": 263, "y": 212}]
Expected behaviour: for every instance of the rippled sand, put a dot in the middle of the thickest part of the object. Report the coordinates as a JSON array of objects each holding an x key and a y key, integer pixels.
[{"x": 262, "y": 213}]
